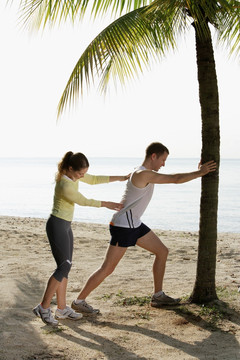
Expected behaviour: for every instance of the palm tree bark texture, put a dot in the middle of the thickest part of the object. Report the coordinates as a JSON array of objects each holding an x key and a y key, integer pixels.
[{"x": 204, "y": 289}]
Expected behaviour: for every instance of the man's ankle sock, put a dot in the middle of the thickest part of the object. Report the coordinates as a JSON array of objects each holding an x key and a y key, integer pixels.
[{"x": 78, "y": 301}]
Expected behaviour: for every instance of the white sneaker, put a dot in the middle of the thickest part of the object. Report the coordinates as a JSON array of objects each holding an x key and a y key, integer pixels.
[
  {"x": 67, "y": 313},
  {"x": 84, "y": 307},
  {"x": 45, "y": 314}
]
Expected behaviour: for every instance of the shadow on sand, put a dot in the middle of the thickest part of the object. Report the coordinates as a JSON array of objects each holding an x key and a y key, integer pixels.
[{"x": 18, "y": 326}]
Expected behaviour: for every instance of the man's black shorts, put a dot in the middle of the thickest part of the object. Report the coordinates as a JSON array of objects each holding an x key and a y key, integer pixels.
[{"x": 125, "y": 237}]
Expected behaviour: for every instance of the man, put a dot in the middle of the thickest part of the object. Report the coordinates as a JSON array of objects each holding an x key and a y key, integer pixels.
[{"x": 127, "y": 229}]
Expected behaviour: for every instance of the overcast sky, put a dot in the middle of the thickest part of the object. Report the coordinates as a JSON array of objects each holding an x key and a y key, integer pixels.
[{"x": 161, "y": 105}]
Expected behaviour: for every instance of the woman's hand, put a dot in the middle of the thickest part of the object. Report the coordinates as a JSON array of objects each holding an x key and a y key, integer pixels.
[{"x": 111, "y": 205}]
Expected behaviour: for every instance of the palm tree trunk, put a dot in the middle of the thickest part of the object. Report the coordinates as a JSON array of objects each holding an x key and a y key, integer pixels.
[{"x": 205, "y": 289}]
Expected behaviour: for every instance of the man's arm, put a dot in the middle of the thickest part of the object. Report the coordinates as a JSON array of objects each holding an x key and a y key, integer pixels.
[{"x": 142, "y": 178}]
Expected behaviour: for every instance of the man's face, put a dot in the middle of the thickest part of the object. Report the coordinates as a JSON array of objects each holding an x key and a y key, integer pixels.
[{"x": 159, "y": 161}]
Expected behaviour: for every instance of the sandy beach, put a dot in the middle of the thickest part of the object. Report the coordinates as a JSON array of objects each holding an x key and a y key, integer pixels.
[{"x": 127, "y": 328}]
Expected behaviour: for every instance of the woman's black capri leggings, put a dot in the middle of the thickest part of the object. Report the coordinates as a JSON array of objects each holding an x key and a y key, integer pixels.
[{"x": 60, "y": 237}]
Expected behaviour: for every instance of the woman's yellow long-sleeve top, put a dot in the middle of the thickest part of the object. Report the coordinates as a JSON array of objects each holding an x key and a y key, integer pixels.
[{"x": 66, "y": 195}]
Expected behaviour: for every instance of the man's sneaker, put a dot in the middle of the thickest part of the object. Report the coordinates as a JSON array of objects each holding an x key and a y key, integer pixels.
[
  {"x": 45, "y": 314},
  {"x": 163, "y": 299},
  {"x": 67, "y": 313},
  {"x": 84, "y": 307}
]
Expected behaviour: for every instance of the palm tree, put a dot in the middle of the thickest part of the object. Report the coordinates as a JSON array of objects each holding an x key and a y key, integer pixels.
[{"x": 146, "y": 31}]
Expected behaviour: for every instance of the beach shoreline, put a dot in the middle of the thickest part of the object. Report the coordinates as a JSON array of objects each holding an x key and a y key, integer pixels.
[{"x": 121, "y": 331}]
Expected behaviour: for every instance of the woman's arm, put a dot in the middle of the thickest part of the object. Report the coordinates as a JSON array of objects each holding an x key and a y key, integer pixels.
[
  {"x": 102, "y": 179},
  {"x": 111, "y": 205},
  {"x": 119, "y": 178},
  {"x": 71, "y": 194}
]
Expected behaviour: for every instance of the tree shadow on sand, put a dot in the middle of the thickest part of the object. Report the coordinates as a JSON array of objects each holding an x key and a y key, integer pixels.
[
  {"x": 22, "y": 341},
  {"x": 214, "y": 344}
]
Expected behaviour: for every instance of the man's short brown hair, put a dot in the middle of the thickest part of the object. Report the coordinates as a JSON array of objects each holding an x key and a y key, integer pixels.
[{"x": 156, "y": 148}]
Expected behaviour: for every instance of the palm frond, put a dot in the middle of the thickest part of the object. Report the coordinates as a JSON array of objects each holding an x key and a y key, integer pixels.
[
  {"x": 181, "y": 12},
  {"x": 119, "y": 51},
  {"x": 128, "y": 44},
  {"x": 41, "y": 12},
  {"x": 38, "y": 13},
  {"x": 116, "y": 6},
  {"x": 228, "y": 26}
]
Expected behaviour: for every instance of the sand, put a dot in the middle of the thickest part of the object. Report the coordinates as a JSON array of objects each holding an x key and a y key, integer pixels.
[{"x": 126, "y": 329}]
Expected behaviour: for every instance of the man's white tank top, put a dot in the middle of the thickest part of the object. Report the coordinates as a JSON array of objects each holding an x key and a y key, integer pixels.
[{"x": 135, "y": 201}]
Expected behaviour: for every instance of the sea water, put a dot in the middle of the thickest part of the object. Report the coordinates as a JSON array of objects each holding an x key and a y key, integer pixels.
[{"x": 27, "y": 187}]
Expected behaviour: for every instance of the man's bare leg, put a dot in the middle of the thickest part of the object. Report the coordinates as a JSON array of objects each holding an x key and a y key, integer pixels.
[
  {"x": 152, "y": 243},
  {"x": 112, "y": 258}
]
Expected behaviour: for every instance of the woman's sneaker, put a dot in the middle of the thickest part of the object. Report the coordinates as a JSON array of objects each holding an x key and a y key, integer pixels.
[
  {"x": 67, "y": 313},
  {"x": 163, "y": 299},
  {"x": 84, "y": 307},
  {"x": 45, "y": 314}
]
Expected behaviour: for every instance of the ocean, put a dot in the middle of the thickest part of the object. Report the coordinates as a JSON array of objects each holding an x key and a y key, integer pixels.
[{"x": 27, "y": 186}]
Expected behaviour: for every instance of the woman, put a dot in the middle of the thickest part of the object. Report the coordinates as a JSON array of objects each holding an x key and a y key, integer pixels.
[{"x": 71, "y": 169}]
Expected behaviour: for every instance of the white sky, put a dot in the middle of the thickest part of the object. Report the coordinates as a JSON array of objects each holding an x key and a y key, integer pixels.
[{"x": 162, "y": 105}]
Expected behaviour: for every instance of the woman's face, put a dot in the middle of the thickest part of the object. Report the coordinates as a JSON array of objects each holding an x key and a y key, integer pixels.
[{"x": 76, "y": 174}]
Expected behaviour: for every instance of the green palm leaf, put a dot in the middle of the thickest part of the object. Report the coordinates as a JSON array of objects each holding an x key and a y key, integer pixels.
[
  {"x": 37, "y": 13},
  {"x": 119, "y": 51},
  {"x": 129, "y": 43},
  {"x": 228, "y": 26}
]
